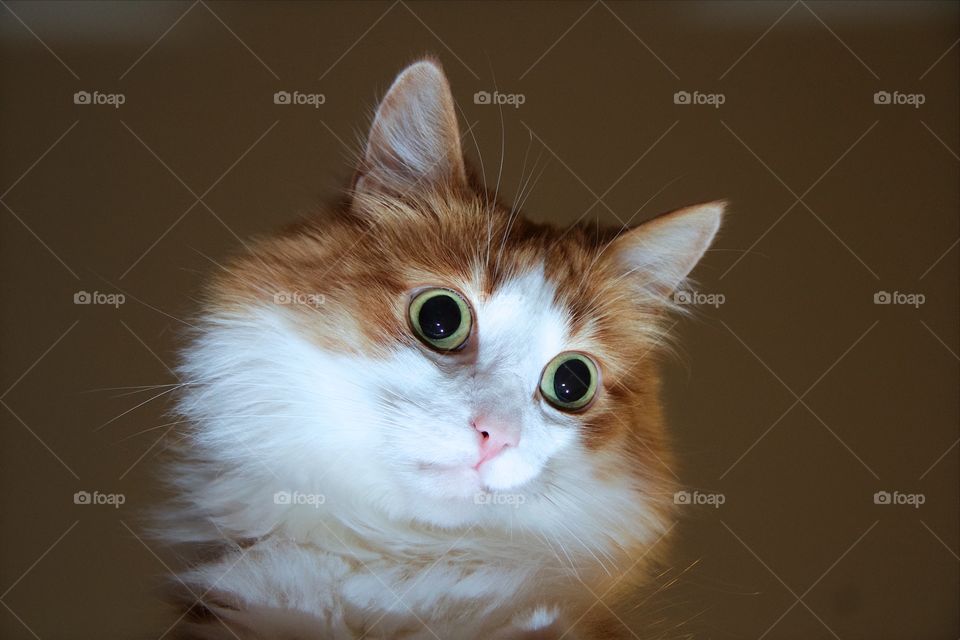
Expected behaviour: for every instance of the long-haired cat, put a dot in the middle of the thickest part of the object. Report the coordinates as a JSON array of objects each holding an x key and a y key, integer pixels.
[{"x": 423, "y": 416}]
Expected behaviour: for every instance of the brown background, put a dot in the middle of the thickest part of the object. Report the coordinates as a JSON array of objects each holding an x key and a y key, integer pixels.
[{"x": 878, "y": 200}]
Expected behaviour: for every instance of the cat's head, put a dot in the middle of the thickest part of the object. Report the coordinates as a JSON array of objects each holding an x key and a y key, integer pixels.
[{"x": 430, "y": 354}]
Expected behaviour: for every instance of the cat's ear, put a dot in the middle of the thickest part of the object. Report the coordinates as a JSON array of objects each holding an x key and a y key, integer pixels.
[
  {"x": 659, "y": 254},
  {"x": 414, "y": 140}
]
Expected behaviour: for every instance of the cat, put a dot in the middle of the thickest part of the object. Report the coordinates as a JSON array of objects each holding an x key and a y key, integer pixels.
[{"x": 421, "y": 415}]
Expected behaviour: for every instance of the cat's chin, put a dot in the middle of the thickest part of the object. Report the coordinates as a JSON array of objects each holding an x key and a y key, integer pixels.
[
  {"x": 450, "y": 482},
  {"x": 466, "y": 484}
]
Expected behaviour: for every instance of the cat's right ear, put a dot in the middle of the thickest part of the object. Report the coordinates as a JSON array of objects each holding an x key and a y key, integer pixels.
[
  {"x": 414, "y": 140},
  {"x": 655, "y": 257}
]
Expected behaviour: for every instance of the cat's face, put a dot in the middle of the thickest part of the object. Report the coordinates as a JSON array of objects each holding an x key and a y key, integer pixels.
[
  {"x": 443, "y": 357},
  {"x": 455, "y": 423}
]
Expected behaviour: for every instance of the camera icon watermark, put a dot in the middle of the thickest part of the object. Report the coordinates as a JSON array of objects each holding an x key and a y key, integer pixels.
[
  {"x": 695, "y": 498},
  {"x": 914, "y": 500},
  {"x": 115, "y": 100},
  {"x": 298, "y": 297},
  {"x": 510, "y": 99},
  {"x": 115, "y": 500},
  {"x": 899, "y": 298},
  {"x": 509, "y": 499},
  {"x": 297, "y": 98},
  {"x": 714, "y": 100},
  {"x": 290, "y": 498},
  {"x": 110, "y": 299},
  {"x": 914, "y": 100},
  {"x": 686, "y": 297}
]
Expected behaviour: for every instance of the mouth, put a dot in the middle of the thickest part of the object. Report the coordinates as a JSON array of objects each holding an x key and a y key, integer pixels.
[{"x": 455, "y": 480}]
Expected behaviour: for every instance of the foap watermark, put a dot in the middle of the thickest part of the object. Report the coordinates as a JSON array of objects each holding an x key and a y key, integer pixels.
[
  {"x": 699, "y": 498},
  {"x": 896, "y": 498},
  {"x": 699, "y": 298},
  {"x": 510, "y": 99},
  {"x": 298, "y": 98},
  {"x": 114, "y": 100},
  {"x": 509, "y": 499},
  {"x": 115, "y": 500},
  {"x": 298, "y": 498},
  {"x": 111, "y": 299},
  {"x": 898, "y": 297},
  {"x": 897, "y": 98},
  {"x": 298, "y": 297},
  {"x": 697, "y": 98}
]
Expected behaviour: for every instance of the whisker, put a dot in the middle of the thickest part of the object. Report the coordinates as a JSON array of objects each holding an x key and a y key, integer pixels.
[{"x": 148, "y": 400}]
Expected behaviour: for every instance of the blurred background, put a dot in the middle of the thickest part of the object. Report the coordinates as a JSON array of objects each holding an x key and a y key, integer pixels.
[{"x": 815, "y": 406}]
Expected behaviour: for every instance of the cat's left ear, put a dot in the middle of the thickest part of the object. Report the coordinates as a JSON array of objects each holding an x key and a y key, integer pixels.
[
  {"x": 658, "y": 255},
  {"x": 414, "y": 140}
]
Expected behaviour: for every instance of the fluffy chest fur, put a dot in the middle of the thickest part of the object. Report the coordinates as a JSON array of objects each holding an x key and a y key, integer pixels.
[
  {"x": 422, "y": 586},
  {"x": 422, "y": 415}
]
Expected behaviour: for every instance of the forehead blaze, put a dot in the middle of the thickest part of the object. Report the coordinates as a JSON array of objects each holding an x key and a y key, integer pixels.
[{"x": 482, "y": 253}]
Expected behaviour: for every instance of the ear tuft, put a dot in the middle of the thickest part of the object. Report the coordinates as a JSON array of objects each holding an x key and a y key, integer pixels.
[
  {"x": 659, "y": 254},
  {"x": 414, "y": 140}
]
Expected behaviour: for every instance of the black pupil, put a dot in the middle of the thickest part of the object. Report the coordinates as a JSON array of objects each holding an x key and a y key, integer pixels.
[
  {"x": 571, "y": 380},
  {"x": 440, "y": 317}
]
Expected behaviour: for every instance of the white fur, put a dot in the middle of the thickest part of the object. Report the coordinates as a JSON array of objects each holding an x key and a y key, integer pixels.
[{"x": 396, "y": 539}]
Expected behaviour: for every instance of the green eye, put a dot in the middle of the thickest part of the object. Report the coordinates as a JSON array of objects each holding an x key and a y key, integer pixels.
[
  {"x": 441, "y": 318},
  {"x": 569, "y": 381}
]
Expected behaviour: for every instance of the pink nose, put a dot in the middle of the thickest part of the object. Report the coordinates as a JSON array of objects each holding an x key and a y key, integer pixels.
[{"x": 494, "y": 438}]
